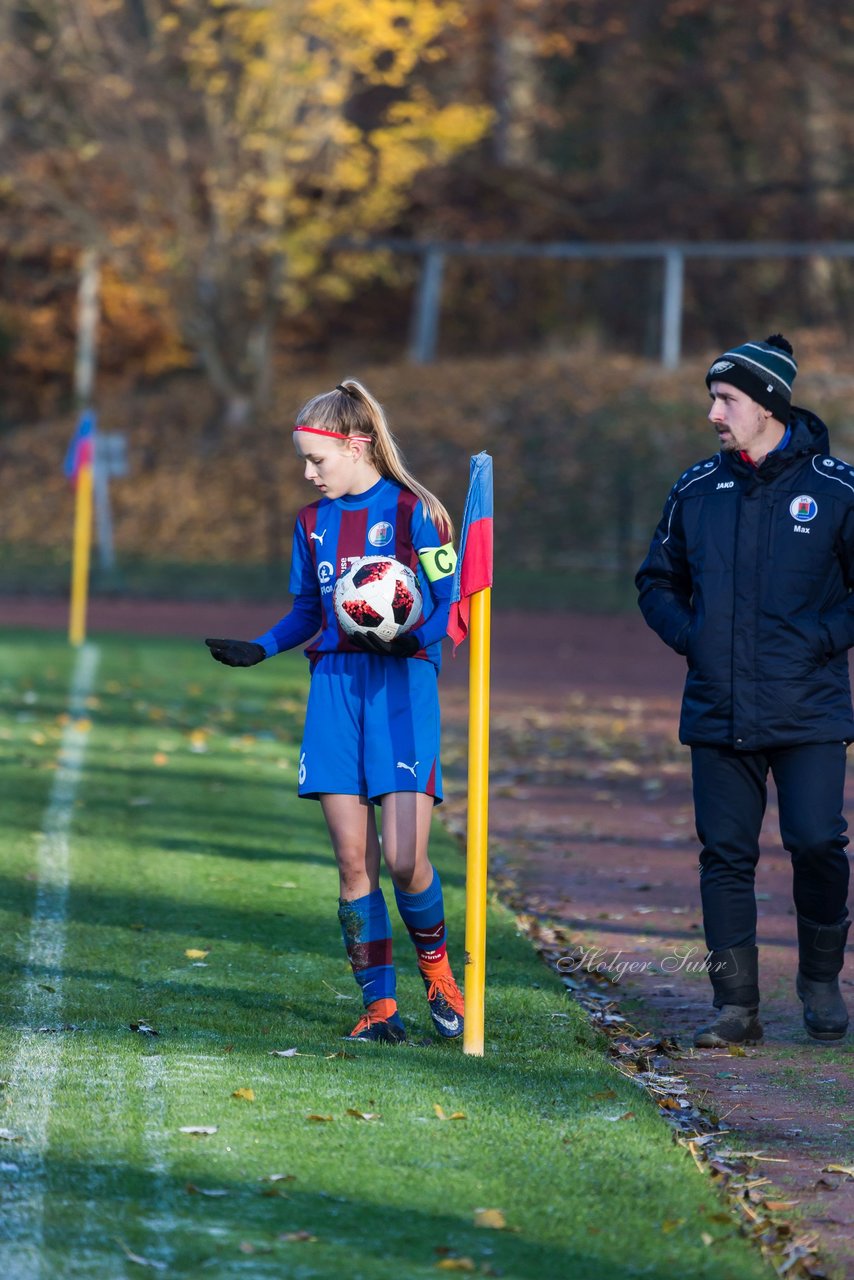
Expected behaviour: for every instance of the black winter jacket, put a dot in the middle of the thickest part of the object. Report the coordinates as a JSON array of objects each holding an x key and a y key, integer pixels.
[{"x": 750, "y": 575}]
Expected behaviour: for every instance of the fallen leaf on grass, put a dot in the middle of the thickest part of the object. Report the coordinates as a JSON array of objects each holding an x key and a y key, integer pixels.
[
  {"x": 198, "y": 1130},
  {"x": 139, "y": 1259},
  {"x": 492, "y": 1218},
  {"x": 736, "y": 1051},
  {"x": 160, "y": 759},
  {"x": 671, "y": 1224},
  {"x": 839, "y": 1168},
  {"x": 456, "y": 1264},
  {"x": 441, "y": 1114},
  {"x": 297, "y": 1237},
  {"x": 6, "y": 1135},
  {"x": 194, "y": 953},
  {"x": 283, "y": 1053},
  {"x": 319, "y": 1119},
  {"x": 342, "y": 1053},
  {"x": 706, "y": 1238},
  {"x": 279, "y": 1177},
  {"x": 248, "y": 1095},
  {"x": 193, "y": 1190},
  {"x": 778, "y": 1206},
  {"x": 603, "y": 1093},
  {"x": 363, "y": 1115},
  {"x": 143, "y": 1028}
]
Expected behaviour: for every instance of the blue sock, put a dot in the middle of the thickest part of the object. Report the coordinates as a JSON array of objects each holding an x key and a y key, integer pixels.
[
  {"x": 424, "y": 916},
  {"x": 366, "y": 930}
]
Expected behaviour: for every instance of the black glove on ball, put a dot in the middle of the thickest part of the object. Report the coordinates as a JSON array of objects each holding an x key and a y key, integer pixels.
[
  {"x": 236, "y": 653},
  {"x": 405, "y": 646}
]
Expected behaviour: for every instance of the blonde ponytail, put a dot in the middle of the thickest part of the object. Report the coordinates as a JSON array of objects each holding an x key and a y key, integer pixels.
[{"x": 353, "y": 411}]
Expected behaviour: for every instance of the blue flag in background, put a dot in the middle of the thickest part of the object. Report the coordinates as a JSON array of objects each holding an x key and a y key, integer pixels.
[{"x": 81, "y": 450}]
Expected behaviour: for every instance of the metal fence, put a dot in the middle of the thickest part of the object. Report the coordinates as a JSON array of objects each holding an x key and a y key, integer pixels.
[{"x": 674, "y": 257}]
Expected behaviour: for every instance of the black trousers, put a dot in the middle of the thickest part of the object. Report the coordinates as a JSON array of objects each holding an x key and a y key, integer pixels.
[{"x": 730, "y": 794}]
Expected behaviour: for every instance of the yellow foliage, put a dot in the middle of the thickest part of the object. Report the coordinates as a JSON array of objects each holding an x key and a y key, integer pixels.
[
  {"x": 399, "y": 30},
  {"x": 231, "y": 145},
  {"x": 457, "y": 126}
]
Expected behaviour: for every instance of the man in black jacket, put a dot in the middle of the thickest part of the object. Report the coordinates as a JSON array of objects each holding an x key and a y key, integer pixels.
[{"x": 750, "y": 576}]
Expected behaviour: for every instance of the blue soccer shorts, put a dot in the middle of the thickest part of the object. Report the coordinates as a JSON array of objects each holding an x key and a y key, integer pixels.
[{"x": 371, "y": 727}]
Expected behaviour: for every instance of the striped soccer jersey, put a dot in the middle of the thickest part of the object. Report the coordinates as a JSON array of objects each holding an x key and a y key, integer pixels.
[{"x": 330, "y": 534}]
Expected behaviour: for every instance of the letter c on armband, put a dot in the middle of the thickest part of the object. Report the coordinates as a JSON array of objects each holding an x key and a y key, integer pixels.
[{"x": 438, "y": 562}]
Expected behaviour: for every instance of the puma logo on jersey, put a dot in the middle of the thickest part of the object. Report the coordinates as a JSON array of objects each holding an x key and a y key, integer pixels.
[
  {"x": 410, "y": 767},
  {"x": 318, "y": 537}
]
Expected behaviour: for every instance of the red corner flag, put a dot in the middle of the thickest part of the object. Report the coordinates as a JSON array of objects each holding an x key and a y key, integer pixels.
[{"x": 474, "y": 565}]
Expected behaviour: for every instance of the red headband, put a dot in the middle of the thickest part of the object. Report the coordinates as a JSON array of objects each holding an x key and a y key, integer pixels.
[{"x": 338, "y": 435}]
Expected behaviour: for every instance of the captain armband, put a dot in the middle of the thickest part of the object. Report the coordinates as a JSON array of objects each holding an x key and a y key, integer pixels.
[{"x": 438, "y": 562}]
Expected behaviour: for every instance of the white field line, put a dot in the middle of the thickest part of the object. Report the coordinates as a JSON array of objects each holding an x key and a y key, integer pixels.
[
  {"x": 162, "y": 1221},
  {"x": 37, "y": 1062}
]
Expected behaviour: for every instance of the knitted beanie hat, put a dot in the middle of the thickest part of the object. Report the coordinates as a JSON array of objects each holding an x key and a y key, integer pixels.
[{"x": 764, "y": 370}]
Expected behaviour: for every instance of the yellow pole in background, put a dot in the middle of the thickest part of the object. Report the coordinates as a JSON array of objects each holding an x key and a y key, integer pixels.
[
  {"x": 80, "y": 555},
  {"x": 478, "y": 811},
  {"x": 84, "y": 381}
]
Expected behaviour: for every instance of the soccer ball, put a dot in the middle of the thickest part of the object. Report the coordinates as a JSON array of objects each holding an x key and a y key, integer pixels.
[{"x": 377, "y": 596}]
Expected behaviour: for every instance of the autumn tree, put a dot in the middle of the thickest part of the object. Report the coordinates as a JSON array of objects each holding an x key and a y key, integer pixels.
[
  {"x": 220, "y": 148},
  {"x": 657, "y": 120}
]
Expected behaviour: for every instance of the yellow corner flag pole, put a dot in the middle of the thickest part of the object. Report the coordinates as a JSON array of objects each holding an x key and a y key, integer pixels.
[
  {"x": 478, "y": 813},
  {"x": 81, "y": 556},
  {"x": 81, "y": 459}
]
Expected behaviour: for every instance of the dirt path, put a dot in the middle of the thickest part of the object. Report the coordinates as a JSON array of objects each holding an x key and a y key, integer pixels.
[
  {"x": 591, "y": 814},
  {"x": 591, "y": 818}
]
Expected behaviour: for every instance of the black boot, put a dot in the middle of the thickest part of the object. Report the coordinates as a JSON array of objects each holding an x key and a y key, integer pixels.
[
  {"x": 821, "y": 950},
  {"x": 735, "y": 981}
]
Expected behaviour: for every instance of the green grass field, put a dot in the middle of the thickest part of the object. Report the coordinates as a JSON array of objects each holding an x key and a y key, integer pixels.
[{"x": 154, "y": 817}]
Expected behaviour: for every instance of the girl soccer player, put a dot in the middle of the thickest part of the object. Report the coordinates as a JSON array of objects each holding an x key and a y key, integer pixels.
[{"x": 372, "y": 720}]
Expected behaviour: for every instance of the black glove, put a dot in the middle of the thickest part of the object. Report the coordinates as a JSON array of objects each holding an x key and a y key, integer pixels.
[
  {"x": 236, "y": 653},
  {"x": 405, "y": 646}
]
